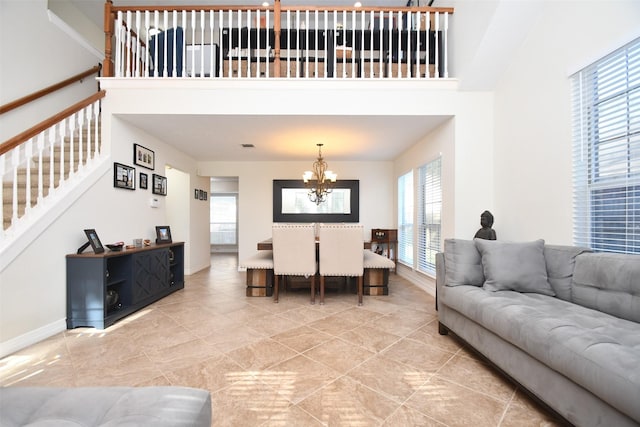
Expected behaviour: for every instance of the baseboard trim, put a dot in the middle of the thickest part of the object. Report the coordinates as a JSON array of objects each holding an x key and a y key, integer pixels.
[
  {"x": 421, "y": 280},
  {"x": 32, "y": 337}
]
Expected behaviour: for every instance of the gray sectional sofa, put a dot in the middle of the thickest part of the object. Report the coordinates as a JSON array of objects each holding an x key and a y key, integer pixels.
[
  {"x": 105, "y": 406},
  {"x": 561, "y": 321}
]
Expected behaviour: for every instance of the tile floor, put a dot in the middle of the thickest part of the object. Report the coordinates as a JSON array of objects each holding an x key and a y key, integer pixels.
[{"x": 287, "y": 364}]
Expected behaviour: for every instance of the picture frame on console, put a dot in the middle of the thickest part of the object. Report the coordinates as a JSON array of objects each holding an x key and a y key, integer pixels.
[
  {"x": 93, "y": 241},
  {"x": 163, "y": 234},
  {"x": 144, "y": 157}
]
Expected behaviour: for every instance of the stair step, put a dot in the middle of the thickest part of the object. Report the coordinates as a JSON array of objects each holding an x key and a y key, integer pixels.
[{"x": 7, "y": 186}]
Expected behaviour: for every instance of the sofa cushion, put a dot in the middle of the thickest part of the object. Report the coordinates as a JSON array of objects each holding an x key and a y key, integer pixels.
[
  {"x": 105, "y": 406},
  {"x": 514, "y": 266},
  {"x": 598, "y": 351},
  {"x": 462, "y": 263},
  {"x": 608, "y": 283},
  {"x": 560, "y": 261}
]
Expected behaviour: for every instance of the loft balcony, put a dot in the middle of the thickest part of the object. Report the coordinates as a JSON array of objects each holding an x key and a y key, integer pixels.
[{"x": 276, "y": 42}]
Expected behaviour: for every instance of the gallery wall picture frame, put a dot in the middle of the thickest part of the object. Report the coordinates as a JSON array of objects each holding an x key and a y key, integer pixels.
[
  {"x": 144, "y": 181},
  {"x": 196, "y": 194},
  {"x": 159, "y": 185},
  {"x": 124, "y": 176},
  {"x": 144, "y": 157},
  {"x": 163, "y": 234}
]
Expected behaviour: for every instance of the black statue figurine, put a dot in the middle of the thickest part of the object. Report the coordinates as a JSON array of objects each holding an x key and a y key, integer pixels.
[{"x": 486, "y": 232}]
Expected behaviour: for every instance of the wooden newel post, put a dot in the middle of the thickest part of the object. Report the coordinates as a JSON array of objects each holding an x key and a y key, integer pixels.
[
  {"x": 107, "y": 66},
  {"x": 276, "y": 38}
]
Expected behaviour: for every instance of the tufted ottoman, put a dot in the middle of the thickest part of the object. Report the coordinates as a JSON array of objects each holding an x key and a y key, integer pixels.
[{"x": 104, "y": 406}]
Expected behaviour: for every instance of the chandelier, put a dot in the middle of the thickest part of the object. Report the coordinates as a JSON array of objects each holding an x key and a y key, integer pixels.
[{"x": 319, "y": 181}]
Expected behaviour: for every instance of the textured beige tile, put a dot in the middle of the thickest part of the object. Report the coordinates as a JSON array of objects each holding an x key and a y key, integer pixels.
[
  {"x": 51, "y": 371},
  {"x": 305, "y": 314},
  {"x": 302, "y": 339},
  {"x": 429, "y": 334},
  {"x": 130, "y": 372},
  {"x": 523, "y": 411},
  {"x": 346, "y": 402},
  {"x": 293, "y": 416},
  {"x": 477, "y": 376},
  {"x": 359, "y": 315},
  {"x": 370, "y": 338},
  {"x": 405, "y": 417},
  {"x": 273, "y": 324},
  {"x": 213, "y": 374},
  {"x": 298, "y": 377},
  {"x": 247, "y": 403},
  {"x": 41, "y": 363},
  {"x": 228, "y": 339},
  {"x": 261, "y": 354},
  {"x": 212, "y": 324},
  {"x": 417, "y": 354},
  {"x": 358, "y": 378},
  {"x": 339, "y": 355},
  {"x": 455, "y": 405},
  {"x": 334, "y": 324},
  {"x": 248, "y": 313},
  {"x": 389, "y": 377},
  {"x": 403, "y": 322},
  {"x": 182, "y": 355}
]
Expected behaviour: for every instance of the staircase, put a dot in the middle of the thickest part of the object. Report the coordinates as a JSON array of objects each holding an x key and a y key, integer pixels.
[{"x": 59, "y": 162}]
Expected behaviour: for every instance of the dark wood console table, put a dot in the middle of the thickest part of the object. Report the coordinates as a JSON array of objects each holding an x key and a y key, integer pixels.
[{"x": 138, "y": 277}]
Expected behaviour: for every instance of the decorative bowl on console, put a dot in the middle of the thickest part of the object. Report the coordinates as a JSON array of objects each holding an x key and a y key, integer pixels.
[{"x": 115, "y": 246}]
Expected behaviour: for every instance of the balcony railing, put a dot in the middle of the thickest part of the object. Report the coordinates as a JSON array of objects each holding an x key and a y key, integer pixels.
[{"x": 276, "y": 42}]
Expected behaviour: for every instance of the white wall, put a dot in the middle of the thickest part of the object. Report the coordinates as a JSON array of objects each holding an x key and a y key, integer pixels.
[
  {"x": 33, "y": 286},
  {"x": 533, "y": 115},
  {"x": 32, "y": 62},
  {"x": 255, "y": 195},
  {"x": 180, "y": 211}
]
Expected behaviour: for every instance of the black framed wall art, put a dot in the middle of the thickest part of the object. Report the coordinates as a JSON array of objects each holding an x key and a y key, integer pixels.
[
  {"x": 144, "y": 181},
  {"x": 144, "y": 157},
  {"x": 159, "y": 185},
  {"x": 124, "y": 176}
]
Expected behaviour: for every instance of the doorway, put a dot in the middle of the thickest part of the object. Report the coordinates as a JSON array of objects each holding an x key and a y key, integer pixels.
[{"x": 223, "y": 224}]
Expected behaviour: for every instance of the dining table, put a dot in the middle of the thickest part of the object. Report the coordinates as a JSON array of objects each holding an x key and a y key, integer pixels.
[{"x": 267, "y": 245}]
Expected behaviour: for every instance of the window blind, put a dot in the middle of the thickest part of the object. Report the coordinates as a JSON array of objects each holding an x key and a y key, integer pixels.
[
  {"x": 606, "y": 152},
  {"x": 429, "y": 215},
  {"x": 405, "y": 218}
]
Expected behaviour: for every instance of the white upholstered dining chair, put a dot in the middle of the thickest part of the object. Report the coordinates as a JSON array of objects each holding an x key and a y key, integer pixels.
[
  {"x": 341, "y": 253},
  {"x": 294, "y": 254}
]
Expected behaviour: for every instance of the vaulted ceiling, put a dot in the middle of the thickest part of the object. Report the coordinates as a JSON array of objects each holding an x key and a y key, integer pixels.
[{"x": 493, "y": 30}]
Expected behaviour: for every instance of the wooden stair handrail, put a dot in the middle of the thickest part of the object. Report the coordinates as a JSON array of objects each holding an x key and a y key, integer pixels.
[
  {"x": 46, "y": 124},
  {"x": 50, "y": 89}
]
